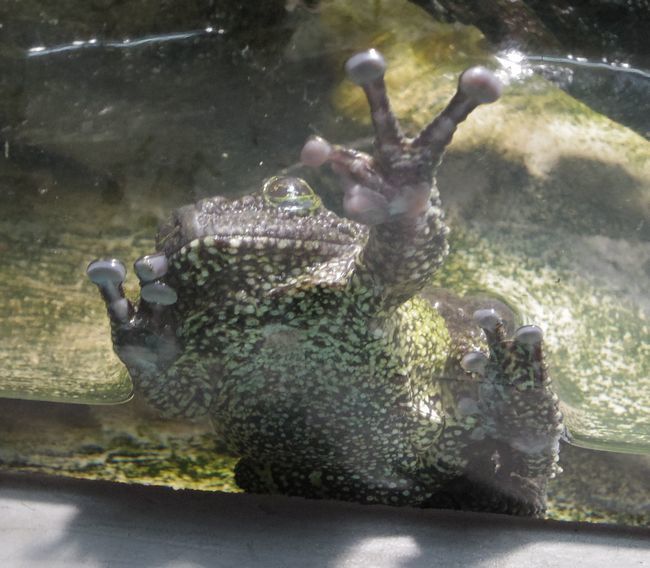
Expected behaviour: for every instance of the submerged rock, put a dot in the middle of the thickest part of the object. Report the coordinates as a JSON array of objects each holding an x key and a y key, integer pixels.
[{"x": 599, "y": 28}]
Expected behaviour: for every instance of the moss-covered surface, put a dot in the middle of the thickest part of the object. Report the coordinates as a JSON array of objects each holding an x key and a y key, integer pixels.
[
  {"x": 601, "y": 487},
  {"x": 123, "y": 443}
]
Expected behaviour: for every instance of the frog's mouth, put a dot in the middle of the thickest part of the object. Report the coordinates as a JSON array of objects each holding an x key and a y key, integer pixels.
[{"x": 228, "y": 225}]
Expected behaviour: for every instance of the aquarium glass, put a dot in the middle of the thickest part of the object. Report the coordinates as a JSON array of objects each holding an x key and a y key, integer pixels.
[{"x": 113, "y": 119}]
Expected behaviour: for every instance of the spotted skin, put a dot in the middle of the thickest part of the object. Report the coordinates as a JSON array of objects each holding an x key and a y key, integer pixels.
[{"x": 319, "y": 350}]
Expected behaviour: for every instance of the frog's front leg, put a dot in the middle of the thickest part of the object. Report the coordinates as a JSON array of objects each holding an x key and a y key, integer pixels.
[
  {"x": 393, "y": 191},
  {"x": 503, "y": 427},
  {"x": 144, "y": 336}
]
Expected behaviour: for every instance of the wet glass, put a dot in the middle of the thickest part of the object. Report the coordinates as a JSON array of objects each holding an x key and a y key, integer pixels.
[{"x": 546, "y": 194}]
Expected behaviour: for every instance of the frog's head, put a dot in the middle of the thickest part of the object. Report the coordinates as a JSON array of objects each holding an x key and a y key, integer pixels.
[{"x": 280, "y": 234}]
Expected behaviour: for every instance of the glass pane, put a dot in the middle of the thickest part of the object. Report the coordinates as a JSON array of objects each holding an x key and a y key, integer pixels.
[{"x": 546, "y": 195}]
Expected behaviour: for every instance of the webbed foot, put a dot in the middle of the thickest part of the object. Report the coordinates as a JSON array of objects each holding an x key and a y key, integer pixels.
[
  {"x": 518, "y": 362},
  {"x": 144, "y": 337},
  {"x": 109, "y": 274},
  {"x": 516, "y": 412}
]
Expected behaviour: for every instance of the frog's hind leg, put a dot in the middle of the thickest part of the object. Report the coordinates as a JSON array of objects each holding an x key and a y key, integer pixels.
[
  {"x": 345, "y": 484},
  {"x": 517, "y": 422},
  {"x": 516, "y": 398}
]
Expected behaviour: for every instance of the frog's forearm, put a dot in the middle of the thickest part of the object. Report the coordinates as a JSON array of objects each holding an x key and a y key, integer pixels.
[
  {"x": 400, "y": 258},
  {"x": 393, "y": 190}
]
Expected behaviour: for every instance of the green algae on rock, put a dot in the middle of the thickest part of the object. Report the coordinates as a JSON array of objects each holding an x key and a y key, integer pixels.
[{"x": 123, "y": 443}]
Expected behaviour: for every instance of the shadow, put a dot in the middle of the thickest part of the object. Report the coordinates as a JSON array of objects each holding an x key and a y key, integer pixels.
[
  {"x": 578, "y": 195},
  {"x": 94, "y": 523}
]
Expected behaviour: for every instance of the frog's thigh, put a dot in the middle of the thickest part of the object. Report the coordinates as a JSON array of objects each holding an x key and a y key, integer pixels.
[
  {"x": 478, "y": 490},
  {"x": 330, "y": 483}
]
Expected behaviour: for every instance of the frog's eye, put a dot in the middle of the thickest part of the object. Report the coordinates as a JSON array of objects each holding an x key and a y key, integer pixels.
[{"x": 291, "y": 194}]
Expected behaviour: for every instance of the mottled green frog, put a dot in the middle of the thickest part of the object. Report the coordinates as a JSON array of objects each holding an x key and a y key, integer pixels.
[{"x": 317, "y": 346}]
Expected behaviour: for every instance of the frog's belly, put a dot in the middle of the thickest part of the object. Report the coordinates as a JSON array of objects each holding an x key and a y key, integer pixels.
[
  {"x": 323, "y": 397},
  {"x": 313, "y": 413},
  {"x": 295, "y": 429}
]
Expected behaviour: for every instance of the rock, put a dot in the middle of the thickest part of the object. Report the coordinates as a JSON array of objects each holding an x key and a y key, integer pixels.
[
  {"x": 615, "y": 29},
  {"x": 596, "y": 51}
]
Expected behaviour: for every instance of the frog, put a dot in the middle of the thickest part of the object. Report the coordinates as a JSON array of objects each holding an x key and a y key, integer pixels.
[{"x": 319, "y": 349}]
